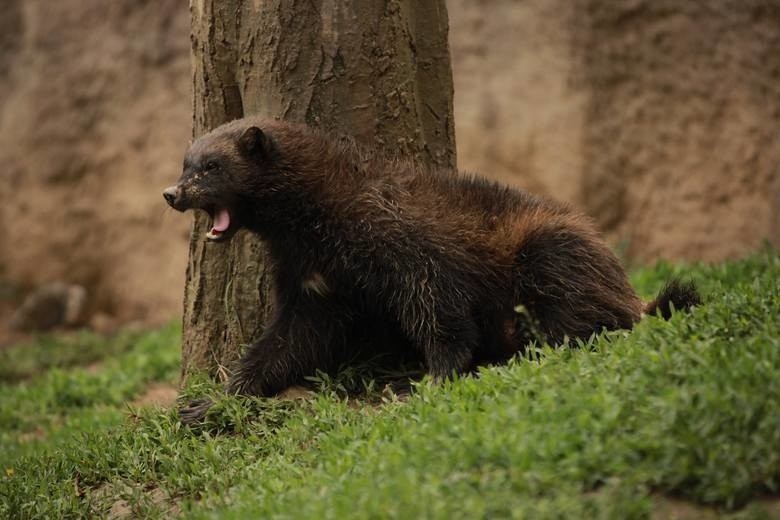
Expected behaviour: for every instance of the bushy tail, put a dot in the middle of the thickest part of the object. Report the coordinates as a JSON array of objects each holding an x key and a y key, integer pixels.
[{"x": 681, "y": 295}]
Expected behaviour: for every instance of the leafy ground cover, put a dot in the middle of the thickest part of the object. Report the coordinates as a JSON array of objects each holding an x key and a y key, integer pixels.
[{"x": 678, "y": 418}]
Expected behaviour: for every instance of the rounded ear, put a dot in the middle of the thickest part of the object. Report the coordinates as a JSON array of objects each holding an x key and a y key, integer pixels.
[{"x": 254, "y": 142}]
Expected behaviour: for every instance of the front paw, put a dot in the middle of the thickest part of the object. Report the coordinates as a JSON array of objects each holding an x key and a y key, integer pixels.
[{"x": 195, "y": 411}]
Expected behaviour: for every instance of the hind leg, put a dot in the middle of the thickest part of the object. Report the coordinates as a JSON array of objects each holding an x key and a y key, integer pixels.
[
  {"x": 572, "y": 285},
  {"x": 450, "y": 349}
]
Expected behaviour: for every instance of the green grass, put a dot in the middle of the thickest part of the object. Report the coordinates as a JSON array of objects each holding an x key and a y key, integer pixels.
[
  {"x": 688, "y": 409},
  {"x": 49, "y": 351},
  {"x": 38, "y": 413}
]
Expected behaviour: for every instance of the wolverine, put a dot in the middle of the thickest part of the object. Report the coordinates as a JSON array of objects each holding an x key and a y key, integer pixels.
[{"x": 461, "y": 270}]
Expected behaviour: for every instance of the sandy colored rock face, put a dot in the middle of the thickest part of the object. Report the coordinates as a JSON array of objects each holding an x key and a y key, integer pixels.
[
  {"x": 657, "y": 117},
  {"x": 684, "y": 112},
  {"x": 518, "y": 118},
  {"x": 94, "y": 120}
]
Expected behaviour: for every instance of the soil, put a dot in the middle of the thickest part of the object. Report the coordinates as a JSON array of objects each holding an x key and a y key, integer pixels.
[
  {"x": 676, "y": 508},
  {"x": 159, "y": 395},
  {"x": 120, "y": 508},
  {"x": 657, "y": 117}
]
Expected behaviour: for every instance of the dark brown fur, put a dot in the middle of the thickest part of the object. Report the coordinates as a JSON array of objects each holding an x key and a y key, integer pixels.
[{"x": 464, "y": 270}]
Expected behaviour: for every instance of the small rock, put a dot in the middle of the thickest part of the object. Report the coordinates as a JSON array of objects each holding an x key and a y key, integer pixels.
[
  {"x": 53, "y": 305},
  {"x": 294, "y": 392}
]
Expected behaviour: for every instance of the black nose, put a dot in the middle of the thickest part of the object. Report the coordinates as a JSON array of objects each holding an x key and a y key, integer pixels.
[{"x": 170, "y": 195}]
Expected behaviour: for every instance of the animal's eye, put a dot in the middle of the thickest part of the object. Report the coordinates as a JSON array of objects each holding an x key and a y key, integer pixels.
[{"x": 211, "y": 166}]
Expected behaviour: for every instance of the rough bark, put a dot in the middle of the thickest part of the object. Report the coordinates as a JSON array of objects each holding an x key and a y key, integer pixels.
[{"x": 376, "y": 69}]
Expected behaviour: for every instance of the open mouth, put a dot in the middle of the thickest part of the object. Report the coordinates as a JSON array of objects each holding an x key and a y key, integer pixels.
[{"x": 220, "y": 222}]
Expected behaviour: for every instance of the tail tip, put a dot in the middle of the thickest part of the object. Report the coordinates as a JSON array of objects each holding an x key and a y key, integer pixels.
[{"x": 677, "y": 294}]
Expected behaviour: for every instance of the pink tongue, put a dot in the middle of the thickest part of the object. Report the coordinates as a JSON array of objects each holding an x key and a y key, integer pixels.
[{"x": 221, "y": 220}]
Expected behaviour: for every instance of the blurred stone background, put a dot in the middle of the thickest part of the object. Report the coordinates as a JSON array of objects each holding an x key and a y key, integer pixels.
[{"x": 658, "y": 118}]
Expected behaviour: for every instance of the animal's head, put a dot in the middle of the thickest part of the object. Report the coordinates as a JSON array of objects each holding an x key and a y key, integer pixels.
[{"x": 222, "y": 170}]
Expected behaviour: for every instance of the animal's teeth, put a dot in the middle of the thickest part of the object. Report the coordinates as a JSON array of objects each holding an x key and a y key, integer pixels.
[{"x": 213, "y": 236}]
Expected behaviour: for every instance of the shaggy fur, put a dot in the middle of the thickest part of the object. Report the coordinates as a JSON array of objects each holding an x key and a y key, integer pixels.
[{"x": 458, "y": 268}]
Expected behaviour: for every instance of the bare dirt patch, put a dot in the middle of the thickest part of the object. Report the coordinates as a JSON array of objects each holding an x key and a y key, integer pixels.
[
  {"x": 293, "y": 393},
  {"x": 120, "y": 508},
  {"x": 675, "y": 508},
  {"x": 37, "y": 434},
  {"x": 158, "y": 394},
  {"x": 668, "y": 508}
]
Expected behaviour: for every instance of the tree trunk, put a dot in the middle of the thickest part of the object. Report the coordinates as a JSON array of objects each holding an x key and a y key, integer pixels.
[{"x": 376, "y": 69}]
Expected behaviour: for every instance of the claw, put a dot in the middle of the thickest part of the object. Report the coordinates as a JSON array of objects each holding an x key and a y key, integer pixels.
[{"x": 195, "y": 411}]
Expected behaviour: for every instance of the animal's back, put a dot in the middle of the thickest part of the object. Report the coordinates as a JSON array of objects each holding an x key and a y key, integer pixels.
[
  {"x": 545, "y": 258},
  {"x": 499, "y": 218}
]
